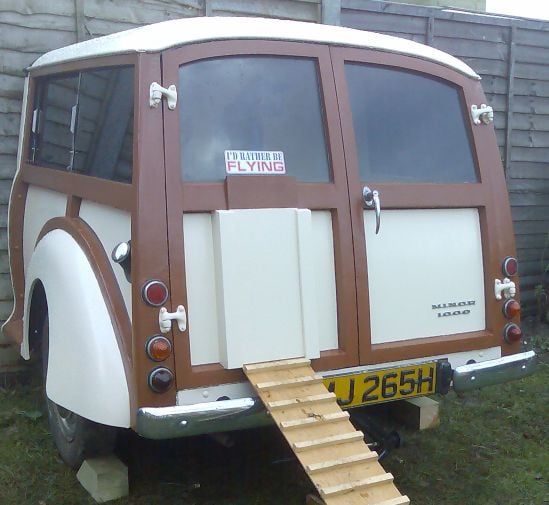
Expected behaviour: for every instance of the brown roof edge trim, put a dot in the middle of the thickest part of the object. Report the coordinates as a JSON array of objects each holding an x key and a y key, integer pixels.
[{"x": 86, "y": 238}]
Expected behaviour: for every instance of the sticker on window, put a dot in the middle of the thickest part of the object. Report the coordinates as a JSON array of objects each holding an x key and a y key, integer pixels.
[{"x": 254, "y": 163}]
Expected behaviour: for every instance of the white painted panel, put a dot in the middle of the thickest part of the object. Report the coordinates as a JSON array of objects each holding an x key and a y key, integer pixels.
[
  {"x": 419, "y": 259},
  {"x": 265, "y": 294},
  {"x": 41, "y": 206},
  {"x": 201, "y": 289},
  {"x": 324, "y": 273},
  {"x": 85, "y": 369},
  {"x": 111, "y": 226}
]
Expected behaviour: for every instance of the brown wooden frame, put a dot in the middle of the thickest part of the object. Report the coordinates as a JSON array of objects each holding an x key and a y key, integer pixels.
[{"x": 261, "y": 192}]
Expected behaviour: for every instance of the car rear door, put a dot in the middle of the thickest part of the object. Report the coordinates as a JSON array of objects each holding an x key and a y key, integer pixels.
[
  {"x": 253, "y": 146},
  {"x": 425, "y": 277}
]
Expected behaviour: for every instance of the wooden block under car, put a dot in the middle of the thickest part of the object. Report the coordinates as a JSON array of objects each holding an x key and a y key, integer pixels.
[
  {"x": 104, "y": 478},
  {"x": 419, "y": 413}
]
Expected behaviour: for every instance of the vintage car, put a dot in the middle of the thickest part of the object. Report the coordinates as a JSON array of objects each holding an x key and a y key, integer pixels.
[{"x": 200, "y": 194}]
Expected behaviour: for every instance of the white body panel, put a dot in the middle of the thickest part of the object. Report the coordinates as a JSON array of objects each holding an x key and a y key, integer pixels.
[
  {"x": 244, "y": 389},
  {"x": 202, "y": 285},
  {"x": 160, "y": 36},
  {"x": 324, "y": 278},
  {"x": 266, "y": 303},
  {"x": 85, "y": 369},
  {"x": 111, "y": 226},
  {"x": 419, "y": 259},
  {"x": 41, "y": 206}
]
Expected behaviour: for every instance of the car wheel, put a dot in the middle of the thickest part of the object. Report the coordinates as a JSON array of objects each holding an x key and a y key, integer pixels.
[{"x": 76, "y": 437}]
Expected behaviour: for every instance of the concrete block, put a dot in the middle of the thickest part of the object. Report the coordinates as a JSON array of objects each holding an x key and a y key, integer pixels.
[
  {"x": 417, "y": 413},
  {"x": 104, "y": 478}
]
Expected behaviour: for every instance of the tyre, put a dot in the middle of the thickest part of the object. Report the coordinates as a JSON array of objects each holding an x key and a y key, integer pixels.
[{"x": 75, "y": 437}]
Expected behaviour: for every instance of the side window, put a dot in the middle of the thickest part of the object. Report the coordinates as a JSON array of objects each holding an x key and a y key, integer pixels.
[
  {"x": 408, "y": 127},
  {"x": 83, "y": 123},
  {"x": 251, "y": 103}
]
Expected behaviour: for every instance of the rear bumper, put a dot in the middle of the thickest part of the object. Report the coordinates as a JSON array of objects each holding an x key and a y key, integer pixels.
[
  {"x": 496, "y": 371},
  {"x": 242, "y": 413},
  {"x": 201, "y": 418}
]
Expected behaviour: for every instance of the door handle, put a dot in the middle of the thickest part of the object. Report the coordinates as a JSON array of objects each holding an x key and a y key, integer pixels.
[{"x": 371, "y": 199}]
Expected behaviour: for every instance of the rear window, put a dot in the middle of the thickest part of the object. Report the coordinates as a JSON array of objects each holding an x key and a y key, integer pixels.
[
  {"x": 83, "y": 123},
  {"x": 408, "y": 127},
  {"x": 255, "y": 104}
]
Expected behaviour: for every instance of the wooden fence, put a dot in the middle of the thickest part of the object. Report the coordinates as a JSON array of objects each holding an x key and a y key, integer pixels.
[{"x": 511, "y": 55}]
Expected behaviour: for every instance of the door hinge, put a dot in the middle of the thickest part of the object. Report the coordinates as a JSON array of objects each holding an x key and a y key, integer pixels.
[{"x": 156, "y": 93}]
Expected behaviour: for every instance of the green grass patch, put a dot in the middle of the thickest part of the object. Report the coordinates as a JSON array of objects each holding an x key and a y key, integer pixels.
[{"x": 491, "y": 449}]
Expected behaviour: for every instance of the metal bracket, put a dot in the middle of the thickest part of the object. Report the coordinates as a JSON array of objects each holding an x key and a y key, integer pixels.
[
  {"x": 156, "y": 93},
  {"x": 507, "y": 287},
  {"x": 165, "y": 319},
  {"x": 483, "y": 114}
]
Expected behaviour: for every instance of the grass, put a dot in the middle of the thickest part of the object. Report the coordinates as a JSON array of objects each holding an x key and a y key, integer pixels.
[{"x": 491, "y": 449}]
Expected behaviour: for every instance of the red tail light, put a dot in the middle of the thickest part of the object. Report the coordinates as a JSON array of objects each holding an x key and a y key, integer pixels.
[
  {"x": 511, "y": 308},
  {"x": 160, "y": 380},
  {"x": 512, "y": 333},
  {"x": 509, "y": 267},
  {"x": 155, "y": 293},
  {"x": 159, "y": 348}
]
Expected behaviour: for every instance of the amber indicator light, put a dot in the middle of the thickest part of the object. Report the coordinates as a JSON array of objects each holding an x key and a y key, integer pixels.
[
  {"x": 159, "y": 348},
  {"x": 511, "y": 308},
  {"x": 155, "y": 293},
  {"x": 160, "y": 380},
  {"x": 512, "y": 333},
  {"x": 509, "y": 267}
]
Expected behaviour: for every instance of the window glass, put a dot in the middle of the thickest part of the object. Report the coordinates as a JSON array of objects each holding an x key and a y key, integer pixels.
[
  {"x": 250, "y": 103},
  {"x": 86, "y": 124},
  {"x": 408, "y": 127},
  {"x": 54, "y": 146}
]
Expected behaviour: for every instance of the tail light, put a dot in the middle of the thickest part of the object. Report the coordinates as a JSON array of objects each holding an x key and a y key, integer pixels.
[
  {"x": 155, "y": 293},
  {"x": 512, "y": 333},
  {"x": 158, "y": 348},
  {"x": 160, "y": 380},
  {"x": 511, "y": 308},
  {"x": 509, "y": 267}
]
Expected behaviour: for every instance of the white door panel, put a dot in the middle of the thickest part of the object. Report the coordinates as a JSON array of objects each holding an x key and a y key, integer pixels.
[{"x": 419, "y": 265}]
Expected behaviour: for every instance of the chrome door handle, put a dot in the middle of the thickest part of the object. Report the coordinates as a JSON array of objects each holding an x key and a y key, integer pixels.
[{"x": 371, "y": 199}]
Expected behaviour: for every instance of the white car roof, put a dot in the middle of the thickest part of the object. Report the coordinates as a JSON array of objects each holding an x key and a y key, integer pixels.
[{"x": 177, "y": 32}]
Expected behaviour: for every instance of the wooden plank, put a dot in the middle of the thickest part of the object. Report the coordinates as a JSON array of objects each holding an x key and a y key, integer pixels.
[
  {"x": 510, "y": 98},
  {"x": 296, "y": 381},
  {"x": 356, "y": 485},
  {"x": 328, "y": 441},
  {"x": 341, "y": 462},
  {"x": 315, "y": 419},
  {"x": 305, "y": 400},
  {"x": 460, "y": 30},
  {"x": 335, "y": 451},
  {"x": 276, "y": 365}
]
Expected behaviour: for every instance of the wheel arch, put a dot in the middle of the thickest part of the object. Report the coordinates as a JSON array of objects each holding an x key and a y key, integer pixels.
[{"x": 89, "y": 369}]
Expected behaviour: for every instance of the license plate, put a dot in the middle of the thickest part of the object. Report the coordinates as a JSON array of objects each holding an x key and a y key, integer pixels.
[{"x": 378, "y": 386}]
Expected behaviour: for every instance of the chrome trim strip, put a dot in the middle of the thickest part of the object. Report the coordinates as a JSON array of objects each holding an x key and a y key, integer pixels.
[
  {"x": 201, "y": 418},
  {"x": 496, "y": 371}
]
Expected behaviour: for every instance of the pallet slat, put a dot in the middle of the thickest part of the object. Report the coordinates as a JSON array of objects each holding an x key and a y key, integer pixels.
[
  {"x": 341, "y": 462},
  {"x": 325, "y": 441},
  {"x": 355, "y": 485},
  {"x": 313, "y": 420}
]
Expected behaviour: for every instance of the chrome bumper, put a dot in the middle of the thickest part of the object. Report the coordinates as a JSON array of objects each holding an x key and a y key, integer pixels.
[
  {"x": 496, "y": 371},
  {"x": 201, "y": 418},
  {"x": 229, "y": 415}
]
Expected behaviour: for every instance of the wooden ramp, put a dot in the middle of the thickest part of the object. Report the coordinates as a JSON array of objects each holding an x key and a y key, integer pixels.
[{"x": 340, "y": 465}]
